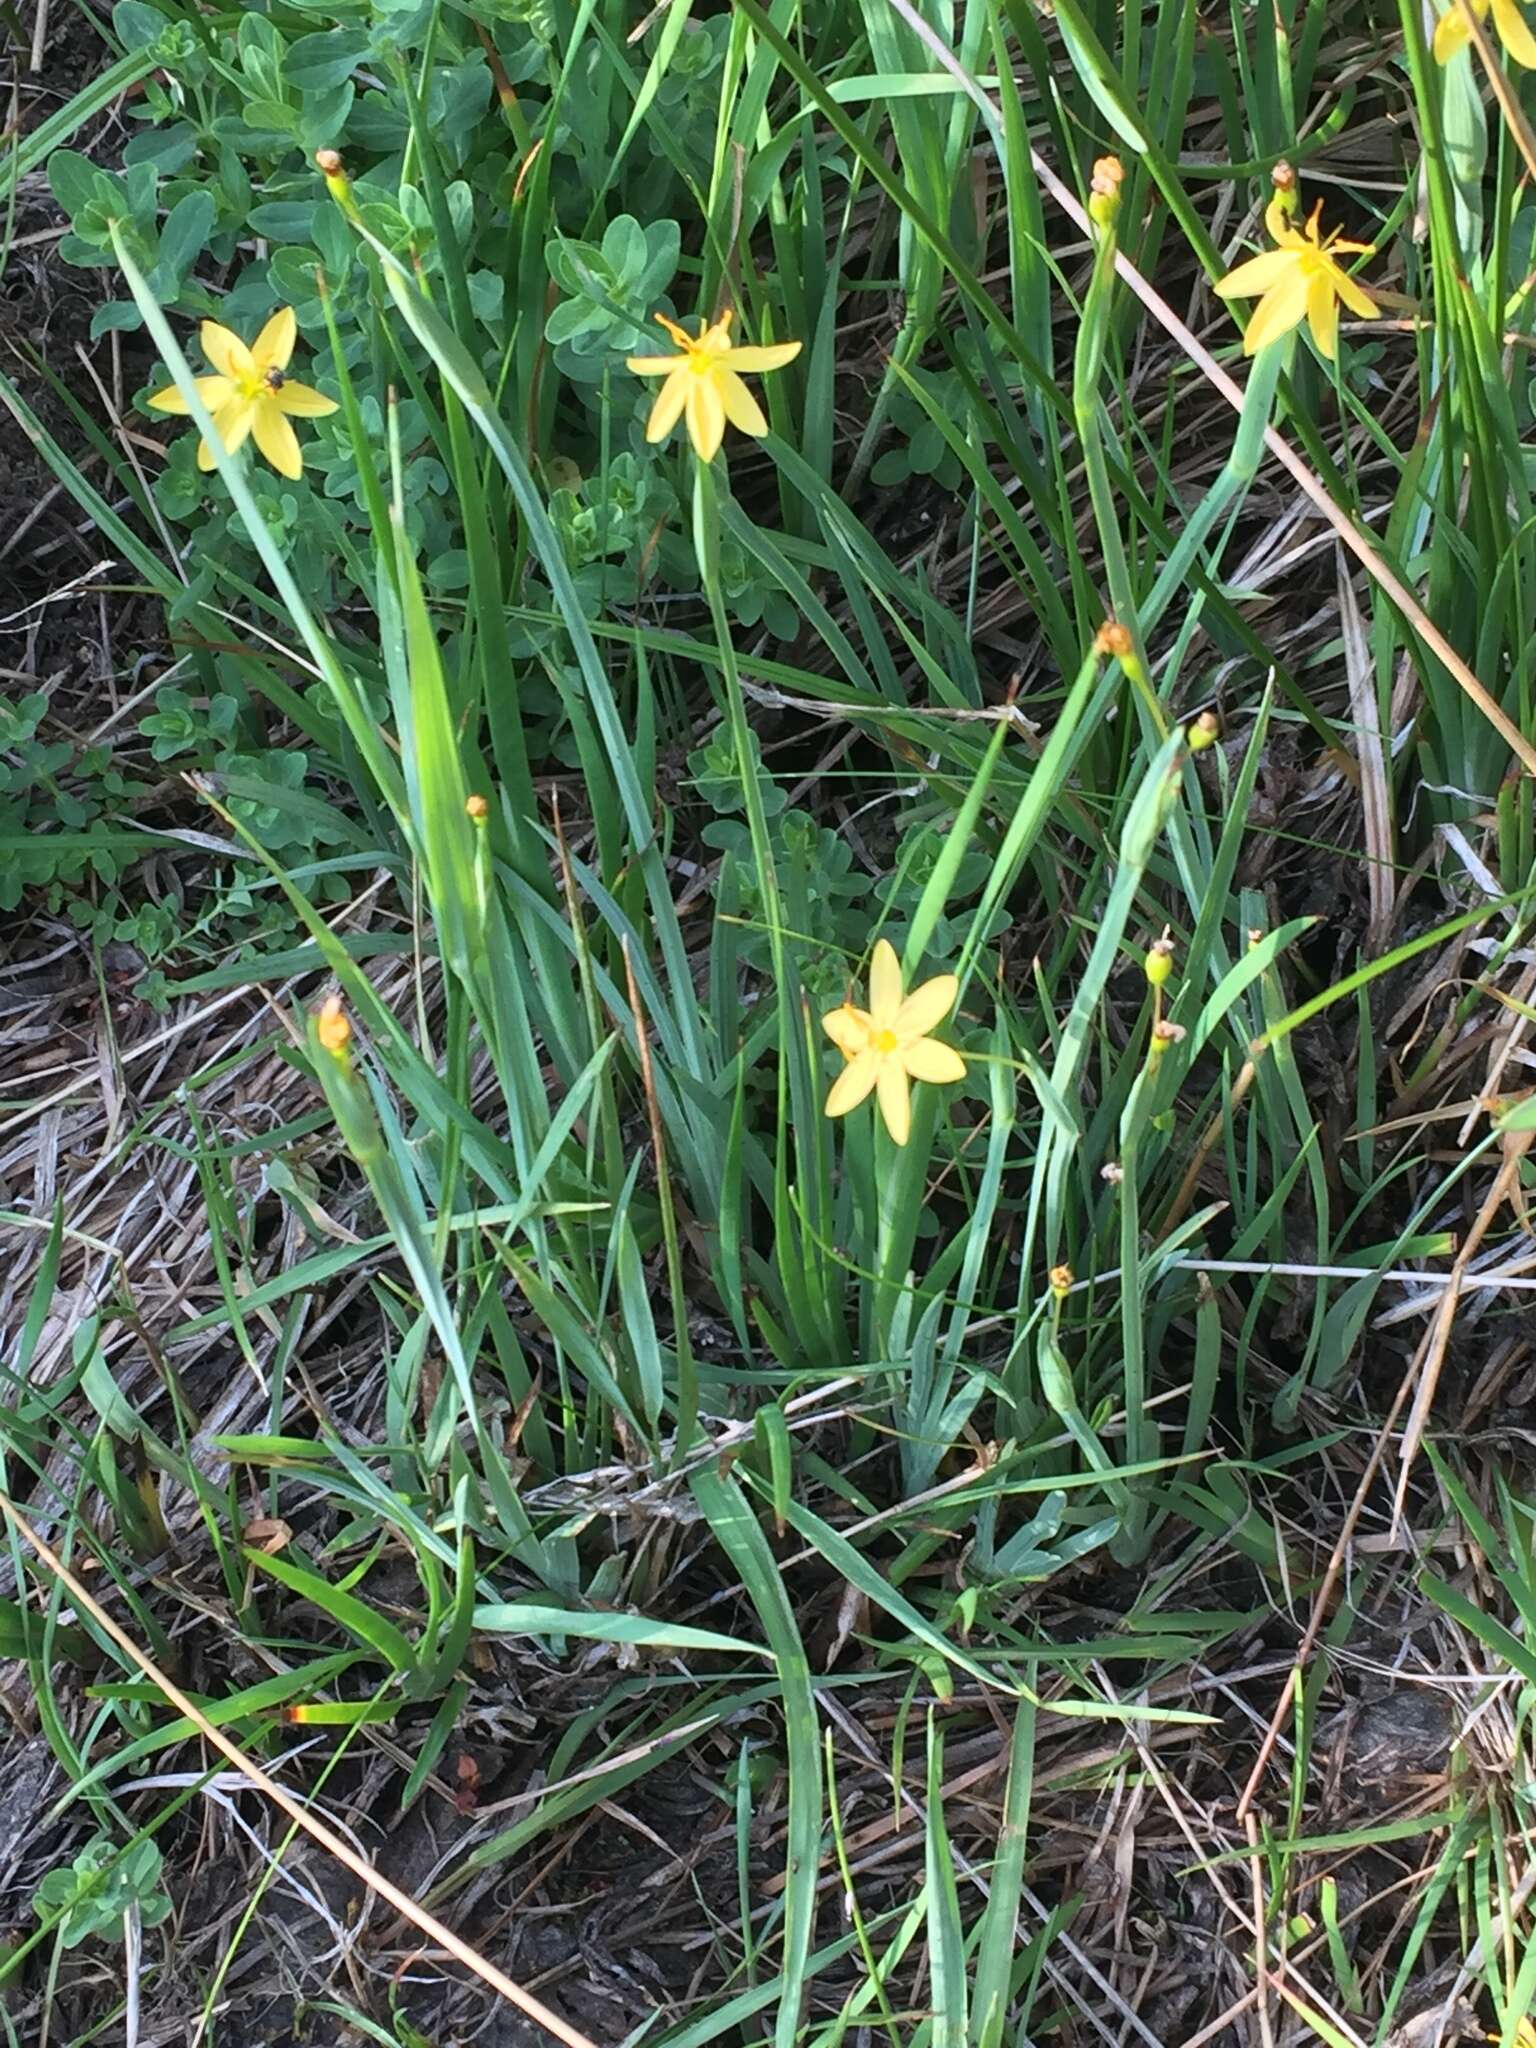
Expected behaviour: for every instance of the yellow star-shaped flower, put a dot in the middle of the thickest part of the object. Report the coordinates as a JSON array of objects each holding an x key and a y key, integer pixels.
[
  {"x": 1299, "y": 281},
  {"x": 1453, "y": 34},
  {"x": 887, "y": 1045},
  {"x": 252, "y": 394},
  {"x": 703, "y": 385}
]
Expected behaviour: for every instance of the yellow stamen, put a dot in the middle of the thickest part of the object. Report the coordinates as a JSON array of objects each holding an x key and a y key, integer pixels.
[{"x": 679, "y": 334}]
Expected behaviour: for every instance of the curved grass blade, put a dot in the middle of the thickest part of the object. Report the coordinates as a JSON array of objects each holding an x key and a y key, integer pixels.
[{"x": 730, "y": 1516}]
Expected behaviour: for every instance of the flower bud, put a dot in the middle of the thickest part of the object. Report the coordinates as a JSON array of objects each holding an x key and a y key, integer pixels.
[
  {"x": 1204, "y": 732},
  {"x": 1284, "y": 201},
  {"x": 330, "y": 166},
  {"x": 1159, "y": 961},
  {"x": 1164, "y": 1034},
  {"x": 1117, "y": 641},
  {"x": 1060, "y": 1278},
  {"x": 476, "y": 809},
  {"x": 1113, "y": 639},
  {"x": 1104, "y": 191},
  {"x": 333, "y": 1027},
  {"x": 343, "y": 1086}
]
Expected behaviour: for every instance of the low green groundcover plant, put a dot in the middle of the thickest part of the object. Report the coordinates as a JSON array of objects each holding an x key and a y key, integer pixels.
[{"x": 750, "y": 540}]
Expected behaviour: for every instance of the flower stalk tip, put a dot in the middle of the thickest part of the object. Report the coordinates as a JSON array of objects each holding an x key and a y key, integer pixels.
[
  {"x": 1114, "y": 642},
  {"x": 1104, "y": 191},
  {"x": 1159, "y": 961},
  {"x": 333, "y": 1027},
  {"x": 1202, "y": 732},
  {"x": 328, "y": 162},
  {"x": 1284, "y": 199},
  {"x": 1164, "y": 1034}
]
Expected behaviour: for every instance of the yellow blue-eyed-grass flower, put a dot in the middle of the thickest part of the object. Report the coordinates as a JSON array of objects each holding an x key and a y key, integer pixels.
[
  {"x": 704, "y": 387},
  {"x": 251, "y": 394},
  {"x": 1300, "y": 280},
  {"x": 887, "y": 1046}
]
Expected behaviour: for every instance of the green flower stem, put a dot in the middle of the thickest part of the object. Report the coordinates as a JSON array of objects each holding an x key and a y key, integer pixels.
[
  {"x": 1088, "y": 363},
  {"x": 706, "y": 547}
]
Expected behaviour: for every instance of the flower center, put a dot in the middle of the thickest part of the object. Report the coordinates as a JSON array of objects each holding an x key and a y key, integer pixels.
[
  {"x": 259, "y": 384},
  {"x": 885, "y": 1040}
]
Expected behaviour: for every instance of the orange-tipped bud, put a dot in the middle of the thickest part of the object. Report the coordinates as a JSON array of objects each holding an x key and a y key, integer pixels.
[{"x": 333, "y": 1028}]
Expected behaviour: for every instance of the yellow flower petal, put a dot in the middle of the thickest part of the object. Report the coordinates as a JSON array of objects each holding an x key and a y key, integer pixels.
[
  {"x": 706, "y": 417},
  {"x": 233, "y": 422},
  {"x": 884, "y": 985},
  {"x": 213, "y": 391},
  {"x": 1278, "y": 222},
  {"x": 894, "y": 1098},
  {"x": 1451, "y": 33},
  {"x": 741, "y": 408},
  {"x": 928, "y": 1059},
  {"x": 1514, "y": 33},
  {"x": 926, "y": 1006},
  {"x": 227, "y": 352},
  {"x": 1323, "y": 314},
  {"x": 652, "y": 366},
  {"x": 848, "y": 1030},
  {"x": 773, "y": 357},
  {"x": 853, "y": 1083},
  {"x": 668, "y": 409},
  {"x": 277, "y": 440},
  {"x": 274, "y": 345},
  {"x": 1359, "y": 301},
  {"x": 1258, "y": 275},
  {"x": 300, "y": 402},
  {"x": 1278, "y": 312}
]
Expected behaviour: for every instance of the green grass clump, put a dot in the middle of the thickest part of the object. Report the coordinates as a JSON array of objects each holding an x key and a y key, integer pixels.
[{"x": 546, "y": 1369}]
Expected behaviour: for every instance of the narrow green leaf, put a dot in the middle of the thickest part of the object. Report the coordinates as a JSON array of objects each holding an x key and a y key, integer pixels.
[
  {"x": 361, "y": 1621},
  {"x": 736, "y": 1528}
]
